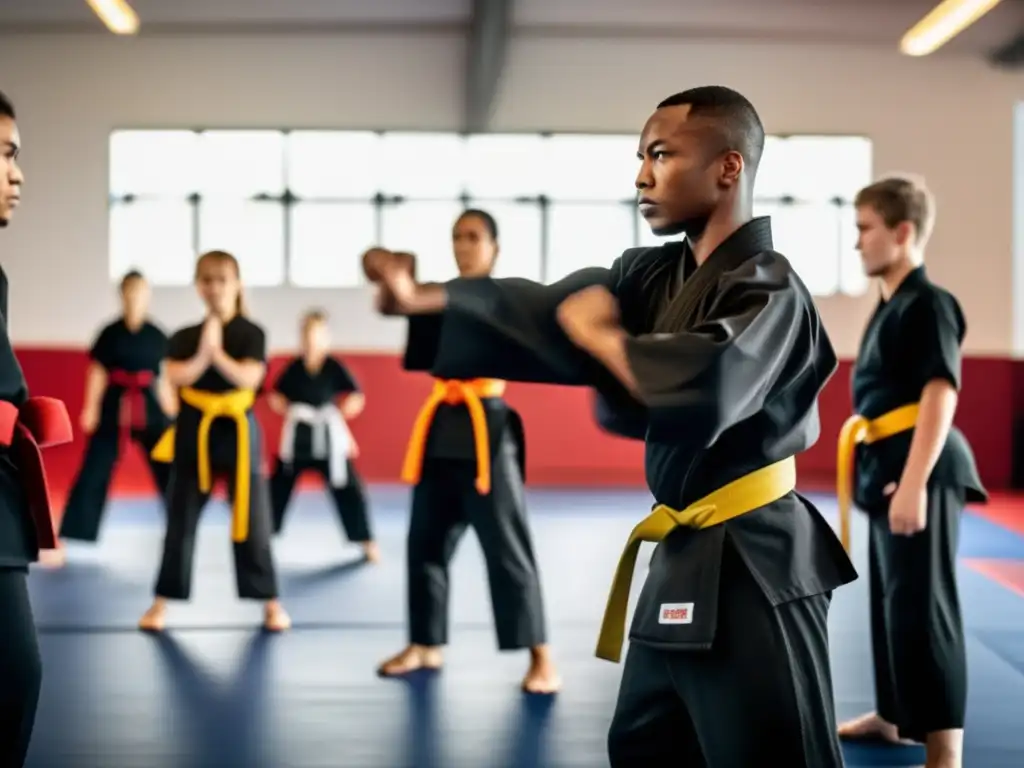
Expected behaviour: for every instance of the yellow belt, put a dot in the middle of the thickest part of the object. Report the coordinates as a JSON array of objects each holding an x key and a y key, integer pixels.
[
  {"x": 234, "y": 405},
  {"x": 739, "y": 497},
  {"x": 856, "y": 430}
]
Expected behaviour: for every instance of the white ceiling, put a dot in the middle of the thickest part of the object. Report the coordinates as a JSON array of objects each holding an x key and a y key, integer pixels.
[{"x": 880, "y": 22}]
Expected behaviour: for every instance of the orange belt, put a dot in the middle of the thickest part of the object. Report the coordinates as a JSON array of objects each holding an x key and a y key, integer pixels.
[{"x": 455, "y": 392}]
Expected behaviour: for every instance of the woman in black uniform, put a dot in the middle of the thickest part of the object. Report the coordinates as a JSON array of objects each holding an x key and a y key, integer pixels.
[
  {"x": 124, "y": 393},
  {"x": 317, "y": 395},
  {"x": 466, "y": 459},
  {"x": 217, "y": 367}
]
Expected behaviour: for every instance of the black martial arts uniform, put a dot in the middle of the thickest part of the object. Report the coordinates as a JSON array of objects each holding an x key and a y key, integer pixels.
[
  {"x": 916, "y": 624},
  {"x": 297, "y": 384},
  {"x": 729, "y": 662},
  {"x": 448, "y": 496},
  {"x": 25, "y": 525},
  {"x": 126, "y": 407},
  {"x": 254, "y": 567}
]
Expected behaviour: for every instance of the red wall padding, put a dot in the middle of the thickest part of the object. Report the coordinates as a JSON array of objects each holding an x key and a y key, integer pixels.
[{"x": 565, "y": 447}]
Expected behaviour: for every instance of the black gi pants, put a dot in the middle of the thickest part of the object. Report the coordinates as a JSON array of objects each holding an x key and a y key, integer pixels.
[
  {"x": 21, "y": 669},
  {"x": 349, "y": 500},
  {"x": 254, "y": 566},
  {"x": 444, "y": 503},
  {"x": 917, "y": 632},
  {"x": 87, "y": 501},
  {"x": 761, "y": 697}
]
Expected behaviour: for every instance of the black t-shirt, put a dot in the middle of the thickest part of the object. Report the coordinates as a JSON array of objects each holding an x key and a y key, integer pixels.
[
  {"x": 298, "y": 384},
  {"x": 18, "y": 546},
  {"x": 118, "y": 348},
  {"x": 911, "y": 339},
  {"x": 243, "y": 340}
]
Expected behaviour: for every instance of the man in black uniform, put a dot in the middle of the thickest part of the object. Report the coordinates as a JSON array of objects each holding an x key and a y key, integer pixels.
[
  {"x": 26, "y": 424},
  {"x": 915, "y": 472},
  {"x": 719, "y": 341}
]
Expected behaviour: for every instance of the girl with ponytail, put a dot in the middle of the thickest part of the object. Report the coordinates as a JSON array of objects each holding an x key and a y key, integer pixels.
[{"x": 217, "y": 366}]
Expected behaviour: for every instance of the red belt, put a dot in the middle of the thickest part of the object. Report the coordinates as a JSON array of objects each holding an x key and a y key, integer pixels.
[
  {"x": 41, "y": 422},
  {"x": 133, "y": 399}
]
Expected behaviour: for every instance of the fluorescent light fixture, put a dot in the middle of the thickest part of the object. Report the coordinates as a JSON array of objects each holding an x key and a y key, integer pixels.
[
  {"x": 947, "y": 20},
  {"x": 119, "y": 17}
]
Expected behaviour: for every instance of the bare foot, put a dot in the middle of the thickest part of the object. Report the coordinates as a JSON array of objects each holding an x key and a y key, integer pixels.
[
  {"x": 275, "y": 618},
  {"x": 541, "y": 677},
  {"x": 155, "y": 619},
  {"x": 411, "y": 659},
  {"x": 371, "y": 551},
  {"x": 53, "y": 558},
  {"x": 871, "y": 727}
]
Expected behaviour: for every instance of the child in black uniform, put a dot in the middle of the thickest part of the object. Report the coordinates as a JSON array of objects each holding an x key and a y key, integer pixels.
[
  {"x": 124, "y": 393},
  {"x": 217, "y": 366},
  {"x": 315, "y": 435}
]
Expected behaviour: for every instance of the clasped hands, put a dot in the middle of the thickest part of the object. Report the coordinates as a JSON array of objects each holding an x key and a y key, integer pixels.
[
  {"x": 211, "y": 338},
  {"x": 584, "y": 316}
]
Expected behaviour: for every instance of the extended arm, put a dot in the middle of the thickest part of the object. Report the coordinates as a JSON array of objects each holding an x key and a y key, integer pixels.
[
  {"x": 504, "y": 328},
  {"x": 696, "y": 384}
]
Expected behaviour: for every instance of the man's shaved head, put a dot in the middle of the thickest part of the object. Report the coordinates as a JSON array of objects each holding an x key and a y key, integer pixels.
[
  {"x": 729, "y": 114},
  {"x": 699, "y": 151}
]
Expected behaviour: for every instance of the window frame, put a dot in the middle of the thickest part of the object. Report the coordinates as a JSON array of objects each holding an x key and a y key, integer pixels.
[{"x": 288, "y": 199}]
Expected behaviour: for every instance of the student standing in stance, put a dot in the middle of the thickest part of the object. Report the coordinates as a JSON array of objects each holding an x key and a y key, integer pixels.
[
  {"x": 26, "y": 526},
  {"x": 914, "y": 474},
  {"x": 720, "y": 341},
  {"x": 317, "y": 395},
  {"x": 466, "y": 461},
  {"x": 217, "y": 367},
  {"x": 124, "y": 394}
]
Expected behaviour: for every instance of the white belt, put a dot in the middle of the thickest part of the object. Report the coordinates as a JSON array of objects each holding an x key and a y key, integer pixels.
[{"x": 332, "y": 439}]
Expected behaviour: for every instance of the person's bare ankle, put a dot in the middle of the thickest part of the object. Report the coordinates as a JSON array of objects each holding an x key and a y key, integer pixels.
[
  {"x": 944, "y": 749},
  {"x": 275, "y": 618},
  {"x": 371, "y": 551},
  {"x": 154, "y": 619},
  {"x": 541, "y": 677},
  {"x": 410, "y": 659}
]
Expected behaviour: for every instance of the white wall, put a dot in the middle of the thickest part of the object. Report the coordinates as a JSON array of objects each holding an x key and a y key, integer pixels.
[{"x": 950, "y": 119}]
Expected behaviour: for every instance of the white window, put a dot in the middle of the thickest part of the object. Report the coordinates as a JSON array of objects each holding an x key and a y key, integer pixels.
[
  {"x": 425, "y": 229},
  {"x": 155, "y": 237},
  {"x": 334, "y": 165},
  {"x": 852, "y": 280},
  {"x": 799, "y": 181},
  {"x": 327, "y": 241},
  {"x": 520, "y": 238},
  {"x": 808, "y": 235},
  {"x": 500, "y": 166},
  {"x": 584, "y": 235},
  {"x": 251, "y": 231},
  {"x": 428, "y": 166},
  {"x": 154, "y": 163},
  {"x": 591, "y": 168},
  {"x": 301, "y": 207},
  {"x": 241, "y": 164}
]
